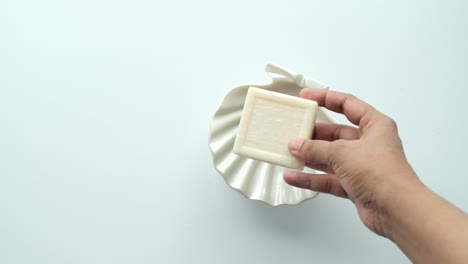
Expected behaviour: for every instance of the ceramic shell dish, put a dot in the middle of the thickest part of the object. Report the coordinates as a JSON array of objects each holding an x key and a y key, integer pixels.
[{"x": 255, "y": 179}]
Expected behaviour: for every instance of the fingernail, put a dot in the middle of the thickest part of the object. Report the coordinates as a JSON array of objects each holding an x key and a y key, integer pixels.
[{"x": 296, "y": 144}]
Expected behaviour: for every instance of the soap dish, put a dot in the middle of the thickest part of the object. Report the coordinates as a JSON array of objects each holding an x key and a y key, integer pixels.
[{"x": 258, "y": 180}]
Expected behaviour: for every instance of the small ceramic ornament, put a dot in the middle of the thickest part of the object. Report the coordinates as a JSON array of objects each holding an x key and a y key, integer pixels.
[{"x": 255, "y": 179}]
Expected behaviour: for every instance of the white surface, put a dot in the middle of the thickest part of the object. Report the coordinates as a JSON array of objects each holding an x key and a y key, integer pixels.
[
  {"x": 269, "y": 121},
  {"x": 94, "y": 169}
]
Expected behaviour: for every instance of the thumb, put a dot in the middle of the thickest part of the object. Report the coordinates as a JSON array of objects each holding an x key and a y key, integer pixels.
[{"x": 312, "y": 151}]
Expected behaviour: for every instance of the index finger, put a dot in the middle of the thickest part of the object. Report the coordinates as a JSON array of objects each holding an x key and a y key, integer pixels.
[{"x": 352, "y": 107}]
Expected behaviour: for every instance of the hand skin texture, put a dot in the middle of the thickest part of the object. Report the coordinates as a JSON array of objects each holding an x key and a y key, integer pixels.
[{"x": 367, "y": 165}]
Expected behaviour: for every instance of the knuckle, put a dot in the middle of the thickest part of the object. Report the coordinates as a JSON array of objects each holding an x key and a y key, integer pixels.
[
  {"x": 338, "y": 146},
  {"x": 351, "y": 96},
  {"x": 339, "y": 151},
  {"x": 340, "y": 106},
  {"x": 336, "y": 133},
  {"x": 335, "y": 149},
  {"x": 323, "y": 100},
  {"x": 347, "y": 98},
  {"x": 391, "y": 122},
  {"x": 307, "y": 149}
]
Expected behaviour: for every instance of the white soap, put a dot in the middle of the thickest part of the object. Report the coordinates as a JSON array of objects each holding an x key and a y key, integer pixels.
[{"x": 269, "y": 121}]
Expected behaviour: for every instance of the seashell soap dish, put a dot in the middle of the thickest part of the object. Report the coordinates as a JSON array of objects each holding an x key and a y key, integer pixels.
[{"x": 258, "y": 180}]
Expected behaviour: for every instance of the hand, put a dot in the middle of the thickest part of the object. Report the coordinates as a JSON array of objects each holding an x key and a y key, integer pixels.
[{"x": 365, "y": 164}]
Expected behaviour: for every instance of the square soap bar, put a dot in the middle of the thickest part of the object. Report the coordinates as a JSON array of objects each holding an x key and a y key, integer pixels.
[{"x": 269, "y": 121}]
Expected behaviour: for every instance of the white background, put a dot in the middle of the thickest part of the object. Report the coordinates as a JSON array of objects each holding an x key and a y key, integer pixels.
[{"x": 105, "y": 108}]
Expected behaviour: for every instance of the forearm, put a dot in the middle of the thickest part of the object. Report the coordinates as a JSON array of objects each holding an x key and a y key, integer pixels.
[{"x": 425, "y": 226}]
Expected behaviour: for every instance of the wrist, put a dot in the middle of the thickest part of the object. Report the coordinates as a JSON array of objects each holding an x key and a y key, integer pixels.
[
  {"x": 426, "y": 227},
  {"x": 396, "y": 198}
]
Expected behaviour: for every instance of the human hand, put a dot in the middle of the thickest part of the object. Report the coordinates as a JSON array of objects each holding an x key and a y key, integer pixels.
[{"x": 365, "y": 164}]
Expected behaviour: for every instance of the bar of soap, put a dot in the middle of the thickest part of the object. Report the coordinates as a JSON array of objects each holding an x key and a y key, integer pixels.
[{"x": 269, "y": 121}]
